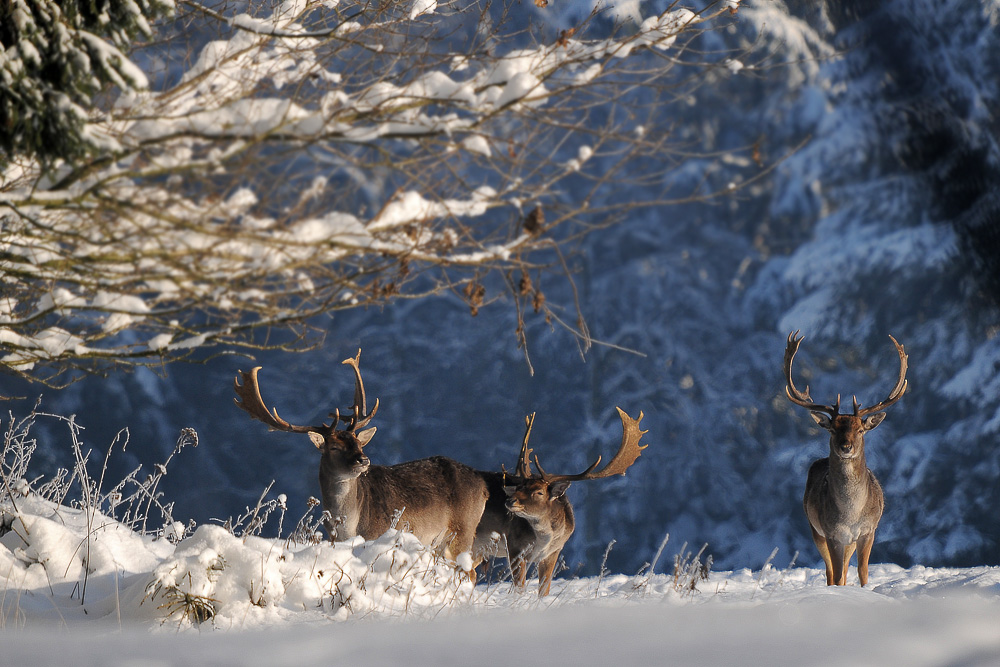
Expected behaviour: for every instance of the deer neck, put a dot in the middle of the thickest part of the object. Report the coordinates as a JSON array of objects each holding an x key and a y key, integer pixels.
[
  {"x": 341, "y": 498},
  {"x": 553, "y": 527},
  {"x": 848, "y": 480}
]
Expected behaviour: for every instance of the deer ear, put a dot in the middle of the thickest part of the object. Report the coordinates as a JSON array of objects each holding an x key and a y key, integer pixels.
[
  {"x": 364, "y": 437},
  {"x": 822, "y": 419},
  {"x": 874, "y": 420},
  {"x": 509, "y": 490},
  {"x": 317, "y": 439},
  {"x": 557, "y": 489}
]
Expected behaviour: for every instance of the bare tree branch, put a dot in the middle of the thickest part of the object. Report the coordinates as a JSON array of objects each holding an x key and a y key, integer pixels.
[{"x": 323, "y": 159}]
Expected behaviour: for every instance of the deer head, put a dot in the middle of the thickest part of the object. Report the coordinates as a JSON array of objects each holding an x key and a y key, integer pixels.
[
  {"x": 531, "y": 495},
  {"x": 847, "y": 431},
  {"x": 341, "y": 448}
]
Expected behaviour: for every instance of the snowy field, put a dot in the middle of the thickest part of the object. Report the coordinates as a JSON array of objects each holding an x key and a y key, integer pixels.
[{"x": 84, "y": 589}]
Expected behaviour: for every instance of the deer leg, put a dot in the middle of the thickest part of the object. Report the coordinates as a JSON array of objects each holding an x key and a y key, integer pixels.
[
  {"x": 455, "y": 548},
  {"x": 518, "y": 569},
  {"x": 457, "y": 543},
  {"x": 545, "y": 569},
  {"x": 865, "y": 543},
  {"x": 473, "y": 573},
  {"x": 487, "y": 571},
  {"x": 824, "y": 551},
  {"x": 837, "y": 560},
  {"x": 848, "y": 552}
]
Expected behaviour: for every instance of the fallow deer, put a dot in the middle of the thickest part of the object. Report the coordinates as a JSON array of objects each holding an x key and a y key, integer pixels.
[
  {"x": 532, "y": 515},
  {"x": 437, "y": 499},
  {"x": 843, "y": 500}
]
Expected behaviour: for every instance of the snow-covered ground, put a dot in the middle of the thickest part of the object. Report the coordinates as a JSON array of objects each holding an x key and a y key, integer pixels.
[{"x": 124, "y": 598}]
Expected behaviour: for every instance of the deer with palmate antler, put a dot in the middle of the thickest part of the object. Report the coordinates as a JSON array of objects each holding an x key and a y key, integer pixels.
[
  {"x": 843, "y": 500},
  {"x": 437, "y": 499},
  {"x": 532, "y": 515}
]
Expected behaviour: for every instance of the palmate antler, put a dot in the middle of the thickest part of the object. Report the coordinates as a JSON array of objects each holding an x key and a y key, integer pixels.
[
  {"x": 253, "y": 405},
  {"x": 249, "y": 400},
  {"x": 802, "y": 397},
  {"x": 627, "y": 454}
]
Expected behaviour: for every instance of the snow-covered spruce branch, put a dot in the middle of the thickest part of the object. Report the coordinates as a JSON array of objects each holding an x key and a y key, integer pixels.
[
  {"x": 290, "y": 172},
  {"x": 54, "y": 56}
]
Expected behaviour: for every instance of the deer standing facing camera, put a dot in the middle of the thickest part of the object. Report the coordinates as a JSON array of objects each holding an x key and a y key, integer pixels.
[{"x": 843, "y": 500}]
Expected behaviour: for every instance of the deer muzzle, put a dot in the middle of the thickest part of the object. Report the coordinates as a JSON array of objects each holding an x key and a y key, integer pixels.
[
  {"x": 362, "y": 463},
  {"x": 846, "y": 450}
]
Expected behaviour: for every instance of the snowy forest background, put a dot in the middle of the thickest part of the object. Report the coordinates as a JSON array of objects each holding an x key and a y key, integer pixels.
[{"x": 882, "y": 217}]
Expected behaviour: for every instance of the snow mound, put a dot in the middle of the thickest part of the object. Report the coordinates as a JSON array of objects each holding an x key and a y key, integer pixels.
[{"x": 69, "y": 563}]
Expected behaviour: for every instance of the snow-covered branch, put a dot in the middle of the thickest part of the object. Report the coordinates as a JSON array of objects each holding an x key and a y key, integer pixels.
[{"x": 321, "y": 156}]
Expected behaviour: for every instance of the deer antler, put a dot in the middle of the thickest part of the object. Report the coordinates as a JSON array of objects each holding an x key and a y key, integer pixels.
[
  {"x": 897, "y": 391},
  {"x": 627, "y": 453},
  {"x": 361, "y": 415},
  {"x": 802, "y": 397},
  {"x": 254, "y": 406},
  {"x": 523, "y": 466}
]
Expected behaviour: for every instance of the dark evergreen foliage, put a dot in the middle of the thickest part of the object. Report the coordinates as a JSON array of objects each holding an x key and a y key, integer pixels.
[{"x": 54, "y": 57}]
